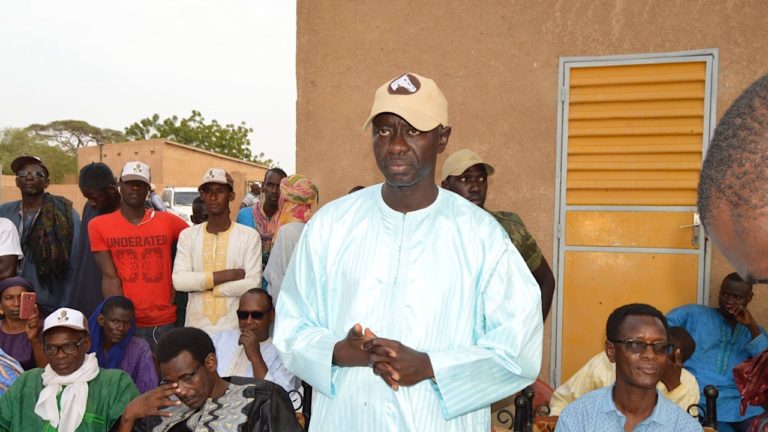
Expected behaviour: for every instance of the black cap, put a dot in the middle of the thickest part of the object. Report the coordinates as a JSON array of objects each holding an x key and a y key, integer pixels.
[
  {"x": 21, "y": 161},
  {"x": 96, "y": 176}
]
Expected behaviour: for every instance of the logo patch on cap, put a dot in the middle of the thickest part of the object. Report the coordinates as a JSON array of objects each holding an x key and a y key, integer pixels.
[
  {"x": 63, "y": 316},
  {"x": 404, "y": 85},
  {"x": 137, "y": 168}
]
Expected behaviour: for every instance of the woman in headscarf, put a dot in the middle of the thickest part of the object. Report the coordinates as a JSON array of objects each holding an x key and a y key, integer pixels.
[
  {"x": 752, "y": 381},
  {"x": 111, "y": 328},
  {"x": 297, "y": 197},
  {"x": 20, "y": 338}
]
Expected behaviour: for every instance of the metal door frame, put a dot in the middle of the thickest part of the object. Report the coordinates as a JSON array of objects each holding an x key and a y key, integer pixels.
[{"x": 710, "y": 57}]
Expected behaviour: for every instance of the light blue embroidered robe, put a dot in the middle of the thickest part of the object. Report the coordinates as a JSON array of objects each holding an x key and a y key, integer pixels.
[{"x": 444, "y": 280}]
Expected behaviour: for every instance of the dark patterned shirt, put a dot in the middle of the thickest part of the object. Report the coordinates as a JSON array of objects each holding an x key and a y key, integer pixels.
[
  {"x": 521, "y": 238},
  {"x": 248, "y": 405}
]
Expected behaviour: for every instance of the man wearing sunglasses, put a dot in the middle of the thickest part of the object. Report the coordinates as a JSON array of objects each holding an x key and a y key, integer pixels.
[
  {"x": 249, "y": 351},
  {"x": 725, "y": 336},
  {"x": 637, "y": 342},
  {"x": 72, "y": 392},
  {"x": 48, "y": 227}
]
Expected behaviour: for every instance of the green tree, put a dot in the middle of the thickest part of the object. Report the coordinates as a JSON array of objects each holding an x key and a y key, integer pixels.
[
  {"x": 70, "y": 135},
  {"x": 17, "y": 142},
  {"x": 229, "y": 140}
]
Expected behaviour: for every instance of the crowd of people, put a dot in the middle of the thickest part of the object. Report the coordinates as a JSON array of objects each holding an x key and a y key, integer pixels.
[
  {"x": 404, "y": 305},
  {"x": 127, "y": 275}
]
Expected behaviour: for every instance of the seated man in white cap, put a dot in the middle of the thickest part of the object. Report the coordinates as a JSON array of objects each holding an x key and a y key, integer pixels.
[
  {"x": 216, "y": 261},
  {"x": 71, "y": 393}
]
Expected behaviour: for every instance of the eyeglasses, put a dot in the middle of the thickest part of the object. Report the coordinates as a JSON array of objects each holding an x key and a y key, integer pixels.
[
  {"x": 256, "y": 315},
  {"x": 24, "y": 173},
  {"x": 184, "y": 379},
  {"x": 639, "y": 347},
  {"x": 68, "y": 348}
]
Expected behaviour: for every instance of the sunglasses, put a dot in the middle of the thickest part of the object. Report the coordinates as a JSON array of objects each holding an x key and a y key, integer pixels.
[
  {"x": 639, "y": 347},
  {"x": 25, "y": 173},
  {"x": 255, "y": 315}
]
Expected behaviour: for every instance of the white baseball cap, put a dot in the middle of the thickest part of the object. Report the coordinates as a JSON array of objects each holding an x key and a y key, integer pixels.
[
  {"x": 136, "y": 171},
  {"x": 217, "y": 175},
  {"x": 66, "y": 317}
]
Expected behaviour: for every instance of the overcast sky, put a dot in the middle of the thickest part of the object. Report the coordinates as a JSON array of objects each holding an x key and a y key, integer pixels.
[{"x": 111, "y": 63}]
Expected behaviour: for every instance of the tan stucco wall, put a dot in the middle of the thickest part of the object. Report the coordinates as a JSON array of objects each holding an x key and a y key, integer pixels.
[
  {"x": 172, "y": 164},
  {"x": 9, "y": 192},
  {"x": 497, "y": 63}
]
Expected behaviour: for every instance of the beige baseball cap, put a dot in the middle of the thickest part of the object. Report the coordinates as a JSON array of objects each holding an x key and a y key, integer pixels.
[
  {"x": 459, "y": 161},
  {"x": 136, "y": 171},
  {"x": 413, "y": 97},
  {"x": 66, "y": 317},
  {"x": 217, "y": 175}
]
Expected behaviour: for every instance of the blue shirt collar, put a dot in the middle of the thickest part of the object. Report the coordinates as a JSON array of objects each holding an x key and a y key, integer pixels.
[{"x": 608, "y": 405}]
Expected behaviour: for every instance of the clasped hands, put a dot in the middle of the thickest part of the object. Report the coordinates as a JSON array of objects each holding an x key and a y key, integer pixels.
[{"x": 394, "y": 362}]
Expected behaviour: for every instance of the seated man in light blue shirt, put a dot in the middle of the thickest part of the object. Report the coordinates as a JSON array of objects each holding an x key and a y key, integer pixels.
[
  {"x": 638, "y": 342},
  {"x": 725, "y": 336}
]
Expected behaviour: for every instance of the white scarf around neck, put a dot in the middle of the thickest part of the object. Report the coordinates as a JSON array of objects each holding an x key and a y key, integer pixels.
[{"x": 73, "y": 399}]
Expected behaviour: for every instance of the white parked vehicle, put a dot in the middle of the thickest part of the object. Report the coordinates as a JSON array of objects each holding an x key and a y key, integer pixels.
[{"x": 178, "y": 200}]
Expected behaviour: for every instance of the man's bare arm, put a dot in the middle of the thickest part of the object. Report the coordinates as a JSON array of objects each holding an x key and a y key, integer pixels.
[
  {"x": 252, "y": 348},
  {"x": 33, "y": 334},
  {"x": 229, "y": 275},
  {"x": 110, "y": 281},
  {"x": 546, "y": 280}
]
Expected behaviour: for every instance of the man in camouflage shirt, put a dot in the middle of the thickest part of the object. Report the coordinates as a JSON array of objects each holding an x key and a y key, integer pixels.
[{"x": 465, "y": 173}]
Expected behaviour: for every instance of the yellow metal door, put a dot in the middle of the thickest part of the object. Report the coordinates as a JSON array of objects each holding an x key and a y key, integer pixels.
[{"x": 631, "y": 139}]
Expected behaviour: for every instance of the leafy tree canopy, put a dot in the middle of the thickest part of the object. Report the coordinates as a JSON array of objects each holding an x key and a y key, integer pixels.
[
  {"x": 229, "y": 140},
  {"x": 18, "y": 142},
  {"x": 70, "y": 135}
]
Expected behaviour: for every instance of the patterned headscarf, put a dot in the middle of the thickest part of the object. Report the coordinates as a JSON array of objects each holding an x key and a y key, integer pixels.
[
  {"x": 752, "y": 380},
  {"x": 297, "y": 196}
]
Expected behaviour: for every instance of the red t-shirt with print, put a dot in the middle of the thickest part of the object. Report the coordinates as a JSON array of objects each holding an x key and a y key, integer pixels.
[{"x": 142, "y": 257}]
